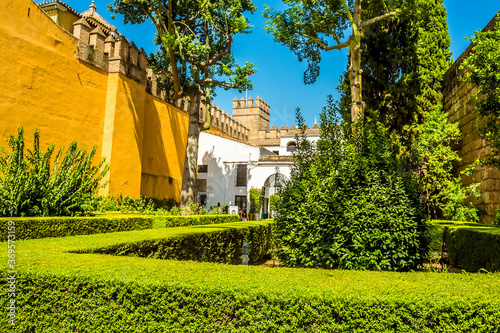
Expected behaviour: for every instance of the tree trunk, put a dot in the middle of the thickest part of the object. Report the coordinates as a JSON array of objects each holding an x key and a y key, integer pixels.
[
  {"x": 355, "y": 65},
  {"x": 189, "y": 186}
]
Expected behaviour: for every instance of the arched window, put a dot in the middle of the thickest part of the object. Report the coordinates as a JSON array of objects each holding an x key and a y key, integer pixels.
[{"x": 291, "y": 146}]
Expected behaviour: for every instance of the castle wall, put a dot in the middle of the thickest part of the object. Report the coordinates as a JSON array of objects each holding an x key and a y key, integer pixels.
[
  {"x": 42, "y": 83},
  {"x": 165, "y": 134},
  {"x": 124, "y": 134},
  {"x": 459, "y": 104},
  {"x": 254, "y": 115},
  {"x": 51, "y": 81}
]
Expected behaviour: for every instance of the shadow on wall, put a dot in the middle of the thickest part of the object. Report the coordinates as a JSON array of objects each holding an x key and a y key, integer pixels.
[
  {"x": 220, "y": 178},
  {"x": 135, "y": 105},
  {"x": 127, "y": 135},
  {"x": 165, "y": 134}
]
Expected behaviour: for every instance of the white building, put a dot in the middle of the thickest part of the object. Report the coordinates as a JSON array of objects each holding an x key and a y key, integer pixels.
[{"x": 228, "y": 168}]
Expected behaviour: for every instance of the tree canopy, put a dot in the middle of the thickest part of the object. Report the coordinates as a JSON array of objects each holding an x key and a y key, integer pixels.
[
  {"x": 195, "y": 38},
  {"x": 403, "y": 63},
  {"x": 309, "y": 27}
]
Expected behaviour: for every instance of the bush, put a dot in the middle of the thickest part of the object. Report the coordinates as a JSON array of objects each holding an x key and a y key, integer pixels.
[
  {"x": 41, "y": 227},
  {"x": 178, "y": 221},
  {"x": 346, "y": 206},
  {"x": 31, "y": 186},
  {"x": 128, "y": 204},
  {"x": 273, "y": 202},
  {"x": 473, "y": 248},
  {"x": 194, "y": 208},
  {"x": 217, "y": 246},
  {"x": 435, "y": 229},
  {"x": 255, "y": 201},
  {"x": 497, "y": 218},
  {"x": 432, "y": 159}
]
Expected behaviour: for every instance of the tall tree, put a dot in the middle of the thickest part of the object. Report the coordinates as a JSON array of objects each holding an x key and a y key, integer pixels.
[
  {"x": 309, "y": 27},
  {"x": 195, "y": 38},
  {"x": 483, "y": 70},
  {"x": 403, "y": 63}
]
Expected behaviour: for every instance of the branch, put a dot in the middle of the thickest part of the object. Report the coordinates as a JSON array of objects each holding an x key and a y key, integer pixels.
[
  {"x": 218, "y": 57},
  {"x": 219, "y": 83},
  {"x": 348, "y": 12},
  {"x": 160, "y": 28},
  {"x": 187, "y": 27},
  {"x": 337, "y": 39},
  {"x": 377, "y": 19},
  {"x": 323, "y": 45},
  {"x": 313, "y": 40},
  {"x": 194, "y": 17},
  {"x": 338, "y": 46}
]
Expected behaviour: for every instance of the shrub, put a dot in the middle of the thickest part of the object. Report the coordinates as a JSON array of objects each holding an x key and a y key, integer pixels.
[
  {"x": 346, "y": 206},
  {"x": 452, "y": 200},
  {"x": 435, "y": 229},
  {"x": 217, "y": 246},
  {"x": 128, "y": 204},
  {"x": 497, "y": 218},
  {"x": 432, "y": 159},
  {"x": 255, "y": 201},
  {"x": 76, "y": 303},
  {"x": 194, "y": 208},
  {"x": 41, "y": 227},
  {"x": 31, "y": 186},
  {"x": 178, "y": 221},
  {"x": 273, "y": 201},
  {"x": 473, "y": 247}
]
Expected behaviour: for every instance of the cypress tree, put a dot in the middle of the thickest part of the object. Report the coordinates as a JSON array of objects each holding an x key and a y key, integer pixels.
[{"x": 404, "y": 60}]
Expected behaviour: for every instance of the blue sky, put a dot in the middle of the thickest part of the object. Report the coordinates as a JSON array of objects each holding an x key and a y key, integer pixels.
[{"x": 279, "y": 74}]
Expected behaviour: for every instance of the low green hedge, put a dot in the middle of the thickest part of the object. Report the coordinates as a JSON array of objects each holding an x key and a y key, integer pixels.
[
  {"x": 41, "y": 227},
  {"x": 180, "y": 221},
  {"x": 435, "y": 229},
  {"x": 61, "y": 291},
  {"x": 71, "y": 303},
  {"x": 223, "y": 246},
  {"x": 473, "y": 247}
]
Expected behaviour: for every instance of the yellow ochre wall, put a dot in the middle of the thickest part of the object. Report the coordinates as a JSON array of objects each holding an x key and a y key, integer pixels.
[
  {"x": 64, "y": 18},
  {"x": 165, "y": 135},
  {"x": 44, "y": 85}
]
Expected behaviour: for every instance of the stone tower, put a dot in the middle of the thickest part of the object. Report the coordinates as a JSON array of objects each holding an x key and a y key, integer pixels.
[{"x": 252, "y": 114}]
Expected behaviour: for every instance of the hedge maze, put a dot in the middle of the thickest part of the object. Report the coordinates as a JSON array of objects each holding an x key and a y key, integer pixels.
[{"x": 129, "y": 282}]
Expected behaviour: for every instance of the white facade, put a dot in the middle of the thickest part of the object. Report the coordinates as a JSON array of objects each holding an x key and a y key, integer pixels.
[
  {"x": 284, "y": 148},
  {"x": 218, "y": 182}
]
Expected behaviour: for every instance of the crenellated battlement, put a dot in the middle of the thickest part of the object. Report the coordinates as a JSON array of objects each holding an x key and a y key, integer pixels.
[
  {"x": 110, "y": 54},
  {"x": 115, "y": 54},
  {"x": 249, "y": 103},
  {"x": 226, "y": 124},
  {"x": 253, "y": 114}
]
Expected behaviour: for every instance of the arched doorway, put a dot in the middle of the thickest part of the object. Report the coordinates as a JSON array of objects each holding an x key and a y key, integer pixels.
[{"x": 271, "y": 187}]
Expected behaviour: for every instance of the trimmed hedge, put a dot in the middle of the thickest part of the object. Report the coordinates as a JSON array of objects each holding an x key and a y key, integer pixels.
[
  {"x": 59, "y": 291},
  {"x": 473, "y": 247},
  {"x": 435, "y": 228},
  {"x": 41, "y": 227},
  {"x": 216, "y": 246},
  {"x": 180, "y": 221},
  {"x": 73, "y": 303}
]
